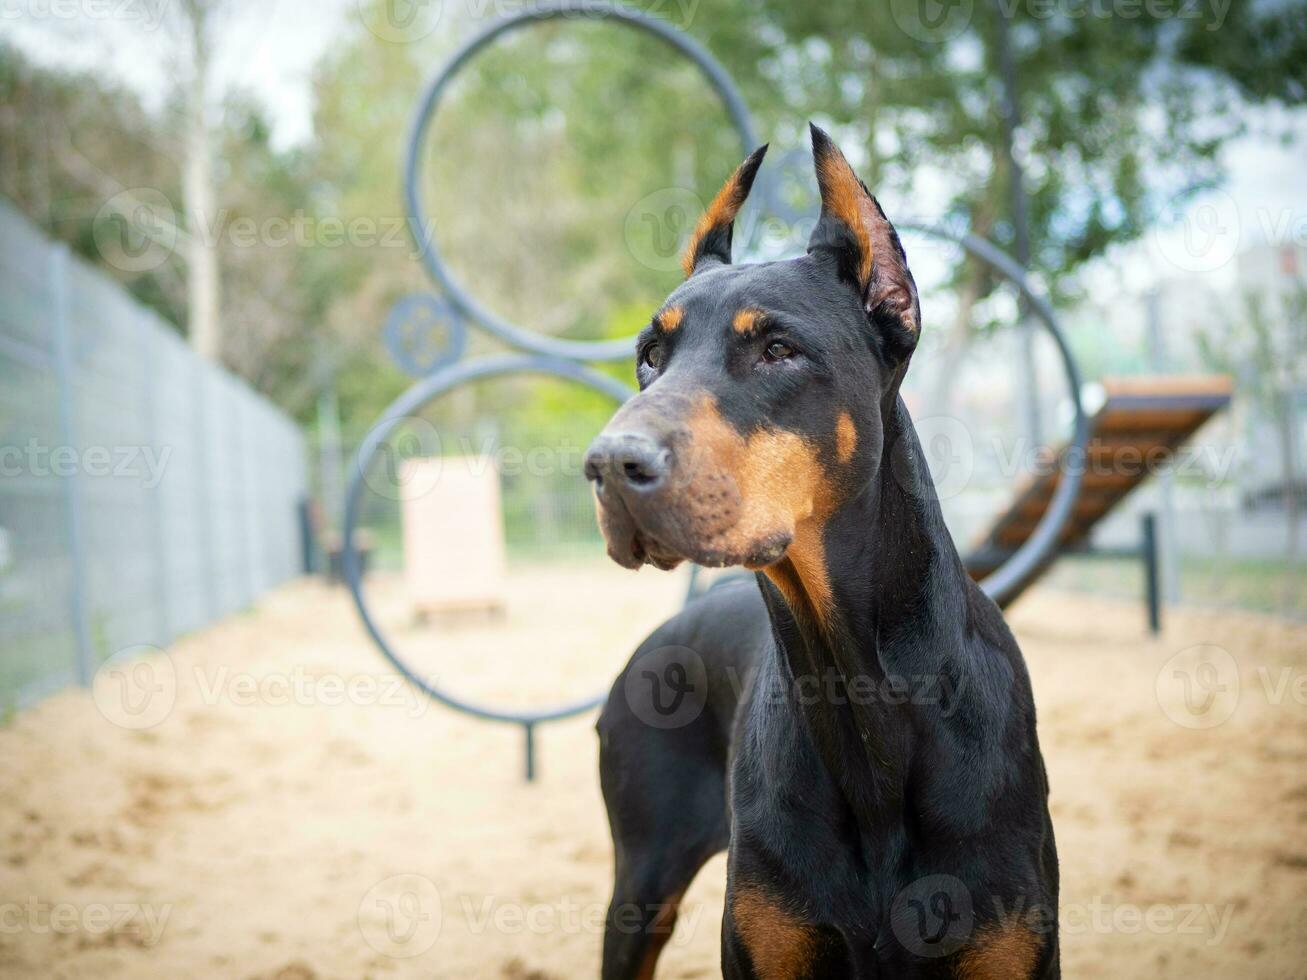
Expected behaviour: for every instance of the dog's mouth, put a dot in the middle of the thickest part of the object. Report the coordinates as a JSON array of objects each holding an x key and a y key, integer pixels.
[{"x": 664, "y": 537}]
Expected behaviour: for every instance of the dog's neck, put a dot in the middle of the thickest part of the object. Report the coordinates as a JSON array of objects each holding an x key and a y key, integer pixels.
[{"x": 862, "y": 617}]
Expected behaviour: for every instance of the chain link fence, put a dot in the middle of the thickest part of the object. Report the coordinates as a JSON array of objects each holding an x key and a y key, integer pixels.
[{"x": 144, "y": 492}]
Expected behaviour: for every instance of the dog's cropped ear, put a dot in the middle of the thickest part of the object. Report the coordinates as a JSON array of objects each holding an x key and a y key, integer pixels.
[
  {"x": 711, "y": 241},
  {"x": 855, "y": 230}
]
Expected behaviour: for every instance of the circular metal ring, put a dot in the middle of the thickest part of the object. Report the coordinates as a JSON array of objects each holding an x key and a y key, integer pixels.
[
  {"x": 600, "y": 350},
  {"x": 405, "y": 406}
]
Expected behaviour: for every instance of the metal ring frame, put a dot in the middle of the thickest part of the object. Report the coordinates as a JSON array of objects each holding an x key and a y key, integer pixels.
[
  {"x": 560, "y": 358},
  {"x": 405, "y": 407},
  {"x": 610, "y": 350}
]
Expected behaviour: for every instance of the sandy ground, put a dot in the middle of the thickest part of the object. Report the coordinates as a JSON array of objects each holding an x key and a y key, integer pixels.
[{"x": 265, "y": 801}]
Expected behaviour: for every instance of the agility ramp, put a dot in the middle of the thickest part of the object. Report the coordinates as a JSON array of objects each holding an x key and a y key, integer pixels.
[{"x": 1141, "y": 424}]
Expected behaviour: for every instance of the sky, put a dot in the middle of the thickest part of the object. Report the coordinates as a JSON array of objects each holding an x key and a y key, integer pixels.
[{"x": 270, "y": 49}]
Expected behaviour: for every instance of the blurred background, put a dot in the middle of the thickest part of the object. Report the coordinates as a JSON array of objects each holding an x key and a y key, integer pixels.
[{"x": 211, "y": 289}]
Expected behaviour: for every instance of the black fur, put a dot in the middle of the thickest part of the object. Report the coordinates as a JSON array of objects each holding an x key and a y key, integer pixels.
[{"x": 876, "y": 775}]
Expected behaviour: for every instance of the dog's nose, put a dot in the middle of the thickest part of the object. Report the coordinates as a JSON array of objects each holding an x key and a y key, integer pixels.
[{"x": 629, "y": 458}]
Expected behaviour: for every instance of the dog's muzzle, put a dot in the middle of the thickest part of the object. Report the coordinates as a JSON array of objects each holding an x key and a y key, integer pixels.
[{"x": 631, "y": 472}]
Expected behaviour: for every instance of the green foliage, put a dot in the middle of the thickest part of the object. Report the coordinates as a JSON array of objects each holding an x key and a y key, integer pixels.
[
  {"x": 70, "y": 142},
  {"x": 541, "y": 156}
]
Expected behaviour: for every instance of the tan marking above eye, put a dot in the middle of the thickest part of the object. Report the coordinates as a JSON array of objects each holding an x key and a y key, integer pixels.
[
  {"x": 746, "y": 321},
  {"x": 670, "y": 318},
  {"x": 846, "y": 437},
  {"x": 780, "y": 946}
]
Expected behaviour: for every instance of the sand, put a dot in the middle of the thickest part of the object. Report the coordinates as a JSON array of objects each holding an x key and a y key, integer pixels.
[{"x": 292, "y": 811}]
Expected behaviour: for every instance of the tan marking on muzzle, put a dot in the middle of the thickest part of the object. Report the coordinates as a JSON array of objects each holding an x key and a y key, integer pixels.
[{"x": 784, "y": 490}]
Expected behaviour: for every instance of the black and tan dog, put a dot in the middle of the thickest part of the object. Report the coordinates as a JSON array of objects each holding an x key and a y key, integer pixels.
[{"x": 857, "y": 730}]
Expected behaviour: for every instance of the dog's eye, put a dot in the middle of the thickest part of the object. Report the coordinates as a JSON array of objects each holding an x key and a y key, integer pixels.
[
  {"x": 777, "y": 351},
  {"x": 652, "y": 356}
]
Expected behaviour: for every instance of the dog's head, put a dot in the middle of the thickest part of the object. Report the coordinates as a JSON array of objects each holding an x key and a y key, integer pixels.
[{"x": 762, "y": 387}]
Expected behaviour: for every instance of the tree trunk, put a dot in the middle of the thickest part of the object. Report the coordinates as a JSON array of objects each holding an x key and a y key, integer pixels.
[{"x": 201, "y": 212}]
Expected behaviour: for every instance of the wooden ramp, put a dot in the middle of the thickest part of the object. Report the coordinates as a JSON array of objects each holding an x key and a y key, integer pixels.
[{"x": 1141, "y": 424}]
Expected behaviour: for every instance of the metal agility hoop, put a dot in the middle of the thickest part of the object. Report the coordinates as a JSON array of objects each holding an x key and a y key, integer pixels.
[
  {"x": 511, "y": 333},
  {"x": 416, "y": 320}
]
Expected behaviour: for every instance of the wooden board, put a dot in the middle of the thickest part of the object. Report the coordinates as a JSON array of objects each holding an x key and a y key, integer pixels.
[
  {"x": 1141, "y": 424},
  {"x": 453, "y": 532}
]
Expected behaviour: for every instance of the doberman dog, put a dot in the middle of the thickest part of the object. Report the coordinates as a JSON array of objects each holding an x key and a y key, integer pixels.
[{"x": 857, "y": 730}]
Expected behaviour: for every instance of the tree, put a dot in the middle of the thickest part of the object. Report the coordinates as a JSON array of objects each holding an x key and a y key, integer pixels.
[{"x": 75, "y": 152}]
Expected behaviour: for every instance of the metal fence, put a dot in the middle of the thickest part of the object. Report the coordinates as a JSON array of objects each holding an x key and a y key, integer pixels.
[{"x": 144, "y": 492}]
